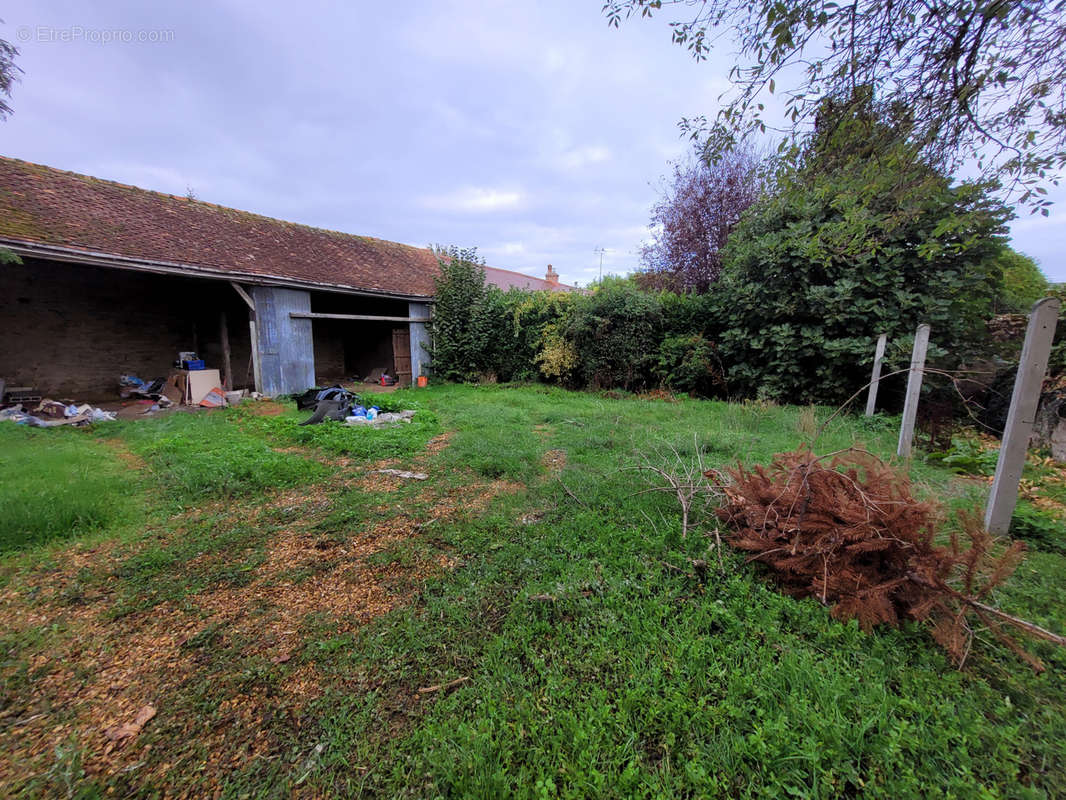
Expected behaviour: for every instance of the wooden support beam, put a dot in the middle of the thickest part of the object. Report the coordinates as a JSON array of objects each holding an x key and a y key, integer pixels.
[
  {"x": 257, "y": 376},
  {"x": 356, "y": 317},
  {"x": 1023, "y": 402},
  {"x": 879, "y": 357},
  {"x": 227, "y": 367},
  {"x": 914, "y": 390},
  {"x": 247, "y": 298}
]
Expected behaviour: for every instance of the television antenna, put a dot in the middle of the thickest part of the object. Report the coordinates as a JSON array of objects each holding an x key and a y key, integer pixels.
[{"x": 601, "y": 251}]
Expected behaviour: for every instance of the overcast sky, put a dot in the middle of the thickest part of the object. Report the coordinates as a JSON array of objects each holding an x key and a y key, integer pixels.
[{"x": 527, "y": 129}]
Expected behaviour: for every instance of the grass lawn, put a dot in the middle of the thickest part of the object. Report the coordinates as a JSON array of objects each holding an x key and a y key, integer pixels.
[{"x": 292, "y": 623}]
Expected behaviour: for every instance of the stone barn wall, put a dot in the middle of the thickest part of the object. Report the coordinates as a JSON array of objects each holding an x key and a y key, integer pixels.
[{"x": 71, "y": 330}]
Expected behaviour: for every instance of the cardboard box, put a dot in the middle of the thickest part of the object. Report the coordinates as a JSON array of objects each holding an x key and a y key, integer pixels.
[
  {"x": 201, "y": 382},
  {"x": 194, "y": 385}
]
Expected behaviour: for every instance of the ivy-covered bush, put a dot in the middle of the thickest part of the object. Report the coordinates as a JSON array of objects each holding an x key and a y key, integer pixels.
[
  {"x": 527, "y": 327},
  {"x": 690, "y": 363},
  {"x": 616, "y": 331}
]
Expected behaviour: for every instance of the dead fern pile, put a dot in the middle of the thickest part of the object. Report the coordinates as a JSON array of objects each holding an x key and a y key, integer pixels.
[{"x": 845, "y": 528}]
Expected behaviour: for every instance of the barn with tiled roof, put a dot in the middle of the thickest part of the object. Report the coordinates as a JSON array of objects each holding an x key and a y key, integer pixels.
[{"x": 116, "y": 279}]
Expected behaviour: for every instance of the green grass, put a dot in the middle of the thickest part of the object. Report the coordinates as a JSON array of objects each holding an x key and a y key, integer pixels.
[
  {"x": 1041, "y": 528},
  {"x": 196, "y": 455},
  {"x": 635, "y": 680},
  {"x": 402, "y": 439},
  {"x": 641, "y": 682},
  {"x": 60, "y": 483},
  {"x": 214, "y": 551}
]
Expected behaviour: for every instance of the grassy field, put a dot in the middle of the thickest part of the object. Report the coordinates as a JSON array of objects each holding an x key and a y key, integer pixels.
[{"x": 522, "y": 623}]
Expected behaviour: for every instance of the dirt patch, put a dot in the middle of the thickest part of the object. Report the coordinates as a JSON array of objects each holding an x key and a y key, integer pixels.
[
  {"x": 544, "y": 430},
  {"x": 95, "y": 675},
  {"x": 438, "y": 443},
  {"x": 554, "y": 461},
  {"x": 370, "y": 480},
  {"x": 130, "y": 459},
  {"x": 265, "y": 408},
  {"x": 303, "y": 684},
  {"x": 658, "y": 394}
]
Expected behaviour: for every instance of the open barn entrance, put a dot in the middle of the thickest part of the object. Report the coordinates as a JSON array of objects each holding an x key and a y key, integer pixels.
[
  {"x": 357, "y": 350},
  {"x": 72, "y": 330}
]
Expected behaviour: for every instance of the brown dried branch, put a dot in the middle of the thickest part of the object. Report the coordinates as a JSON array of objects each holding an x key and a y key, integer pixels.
[
  {"x": 846, "y": 529},
  {"x": 688, "y": 482}
]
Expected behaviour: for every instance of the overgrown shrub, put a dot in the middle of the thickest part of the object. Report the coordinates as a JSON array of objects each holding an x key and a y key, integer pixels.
[
  {"x": 525, "y": 335},
  {"x": 616, "y": 331},
  {"x": 461, "y": 329},
  {"x": 878, "y": 244},
  {"x": 690, "y": 363},
  {"x": 557, "y": 358}
]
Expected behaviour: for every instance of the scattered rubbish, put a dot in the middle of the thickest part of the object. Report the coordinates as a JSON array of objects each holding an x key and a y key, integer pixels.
[
  {"x": 232, "y": 398},
  {"x": 308, "y": 399},
  {"x": 52, "y": 413},
  {"x": 333, "y": 403},
  {"x": 129, "y": 730},
  {"x": 380, "y": 419},
  {"x": 23, "y": 394},
  {"x": 214, "y": 399},
  {"x": 132, "y": 386},
  {"x": 174, "y": 388},
  {"x": 337, "y": 403},
  {"x": 198, "y": 383},
  {"x": 400, "y": 473}
]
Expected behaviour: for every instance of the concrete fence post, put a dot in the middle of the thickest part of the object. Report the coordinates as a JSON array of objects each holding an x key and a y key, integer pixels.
[
  {"x": 914, "y": 390},
  {"x": 1022, "y": 414},
  {"x": 879, "y": 357}
]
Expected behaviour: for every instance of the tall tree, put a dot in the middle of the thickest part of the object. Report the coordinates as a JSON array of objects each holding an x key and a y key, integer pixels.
[
  {"x": 878, "y": 243},
  {"x": 701, "y": 203},
  {"x": 984, "y": 79},
  {"x": 9, "y": 71},
  {"x": 460, "y": 330},
  {"x": 1023, "y": 282}
]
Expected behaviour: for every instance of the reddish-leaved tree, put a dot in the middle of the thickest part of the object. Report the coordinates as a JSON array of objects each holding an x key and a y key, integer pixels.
[{"x": 700, "y": 205}]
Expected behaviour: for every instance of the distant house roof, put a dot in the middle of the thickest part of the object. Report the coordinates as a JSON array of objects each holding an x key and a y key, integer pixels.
[
  {"x": 506, "y": 279},
  {"x": 63, "y": 215},
  {"x": 58, "y": 214}
]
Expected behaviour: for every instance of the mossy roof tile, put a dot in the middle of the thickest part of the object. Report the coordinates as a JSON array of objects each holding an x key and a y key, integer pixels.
[{"x": 45, "y": 206}]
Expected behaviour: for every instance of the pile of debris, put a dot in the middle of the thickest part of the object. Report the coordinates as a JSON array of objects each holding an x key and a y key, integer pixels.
[
  {"x": 846, "y": 530},
  {"x": 156, "y": 394},
  {"x": 51, "y": 413},
  {"x": 338, "y": 404}
]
